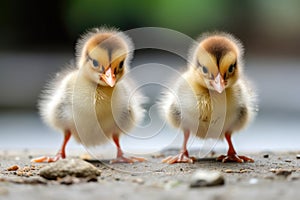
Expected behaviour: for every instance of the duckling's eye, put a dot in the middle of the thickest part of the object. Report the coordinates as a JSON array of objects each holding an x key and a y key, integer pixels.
[
  {"x": 121, "y": 65},
  {"x": 95, "y": 63},
  {"x": 204, "y": 70},
  {"x": 231, "y": 68}
]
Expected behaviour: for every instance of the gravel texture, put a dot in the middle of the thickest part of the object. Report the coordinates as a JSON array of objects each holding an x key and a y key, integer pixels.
[{"x": 266, "y": 178}]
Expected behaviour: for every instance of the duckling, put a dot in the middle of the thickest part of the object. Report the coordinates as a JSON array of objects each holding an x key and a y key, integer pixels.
[
  {"x": 90, "y": 101},
  {"x": 215, "y": 99}
]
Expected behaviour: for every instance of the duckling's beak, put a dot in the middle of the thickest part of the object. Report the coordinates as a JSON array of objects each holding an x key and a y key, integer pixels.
[
  {"x": 109, "y": 77},
  {"x": 218, "y": 83}
]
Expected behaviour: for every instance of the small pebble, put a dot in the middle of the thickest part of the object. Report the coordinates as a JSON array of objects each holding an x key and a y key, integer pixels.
[
  {"x": 283, "y": 172},
  {"x": 138, "y": 180},
  {"x": 266, "y": 155},
  {"x": 204, "y": 178},
  {"x": 273, "y": 170},
  {"x": 298, "y": 156},
  {"x": 29, "y": 174},
  {"x": 287, "y": 160},
  {"x": 253, "y": 181},
  {"x": 13, "y": 168},
  {"x": 26, "y": 169},
  {"x": 32, "y": 167},
  {"x": 20, "y": 173},
  {"x": 244, "y": 170},
  {"x": 228, "y": 171}
]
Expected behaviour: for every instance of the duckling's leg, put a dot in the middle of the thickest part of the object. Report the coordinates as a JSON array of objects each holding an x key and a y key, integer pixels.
[
  {"x": 60, "y": 154},
  {"x": 231, "y": 154},
  {"x": 183, "y": 156},
  {"x": 120, "y": 156}
]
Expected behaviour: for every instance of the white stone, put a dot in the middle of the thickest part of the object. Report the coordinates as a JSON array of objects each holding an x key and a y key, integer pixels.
[{"x": 205, "y": 178}]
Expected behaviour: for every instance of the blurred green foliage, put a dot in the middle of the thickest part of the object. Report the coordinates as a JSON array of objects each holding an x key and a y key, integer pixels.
[
  {"x": 190, "y": 16},
  {"x": 259, "y": 23},
  {"x": 186, "y": 16}
]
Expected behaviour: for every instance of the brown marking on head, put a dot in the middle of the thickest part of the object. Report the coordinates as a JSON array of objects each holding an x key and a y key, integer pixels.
[
  {"x": 218, "y": 46},
  {"x": 108, "y": 41}
]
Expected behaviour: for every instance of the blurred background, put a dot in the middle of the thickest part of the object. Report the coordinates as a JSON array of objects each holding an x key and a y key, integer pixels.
[{"x": 37, "y": 39}]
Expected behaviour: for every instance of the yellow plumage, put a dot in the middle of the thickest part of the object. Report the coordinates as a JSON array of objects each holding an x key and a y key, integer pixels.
[
  {"x": 91, "y": 102},
  {"x": 214, "y": 97}
]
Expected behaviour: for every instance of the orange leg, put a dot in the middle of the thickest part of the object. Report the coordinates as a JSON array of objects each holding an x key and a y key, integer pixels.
[
  {"x": 120, "y": 157},
  {"x": 183, "y": 156},
  {"x": 231, "y": 154},
  {"x": 60, "y": 154}
]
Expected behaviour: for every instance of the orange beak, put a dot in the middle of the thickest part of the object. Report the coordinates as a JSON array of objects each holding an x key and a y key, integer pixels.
[
  {"x": 109, "y": 77},
  {"x": 218, "y": 84}
]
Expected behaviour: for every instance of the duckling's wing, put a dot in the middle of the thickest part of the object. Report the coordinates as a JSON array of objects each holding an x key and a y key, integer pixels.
[{"x": 55, "y": 100}]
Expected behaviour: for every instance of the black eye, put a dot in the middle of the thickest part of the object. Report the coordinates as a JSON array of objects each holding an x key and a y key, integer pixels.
[
  {"x": 121, "y": 65},
  {"x": 231, "y": 68},
  {"x": 204, "y": 70},
  {"x": 95, "y": 63}
]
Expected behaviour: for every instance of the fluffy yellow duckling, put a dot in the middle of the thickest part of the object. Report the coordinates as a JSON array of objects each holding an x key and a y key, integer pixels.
[
  {"x": 215, "y": 98},
  {"x": 90, "y": 101}
]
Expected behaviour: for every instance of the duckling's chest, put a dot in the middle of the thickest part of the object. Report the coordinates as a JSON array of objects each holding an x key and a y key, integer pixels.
[
  {"x": 218, "y": 111},
  {"x": 103, "y": 105},
  {"x": 111, "y": 108}
]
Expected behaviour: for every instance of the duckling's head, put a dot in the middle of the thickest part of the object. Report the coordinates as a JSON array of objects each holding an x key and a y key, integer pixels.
[
  {"x": 217, "y": 60},
  {"x": 103, "y": 55}
]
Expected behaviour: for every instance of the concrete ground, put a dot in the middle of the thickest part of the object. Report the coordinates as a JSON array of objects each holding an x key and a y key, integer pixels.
[{"x": 272, "y": 176}]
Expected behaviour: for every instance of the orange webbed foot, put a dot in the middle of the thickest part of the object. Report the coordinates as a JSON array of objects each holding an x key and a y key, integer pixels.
[
  {"x": 180, "y": 158},
  {"x": 47, "y": 159},
  {"x": 61, "y": 154},
  {"x": 120, "y": 156},
  {"x": 234, "y": 158},
  {"x": 123, "y": 159}
]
